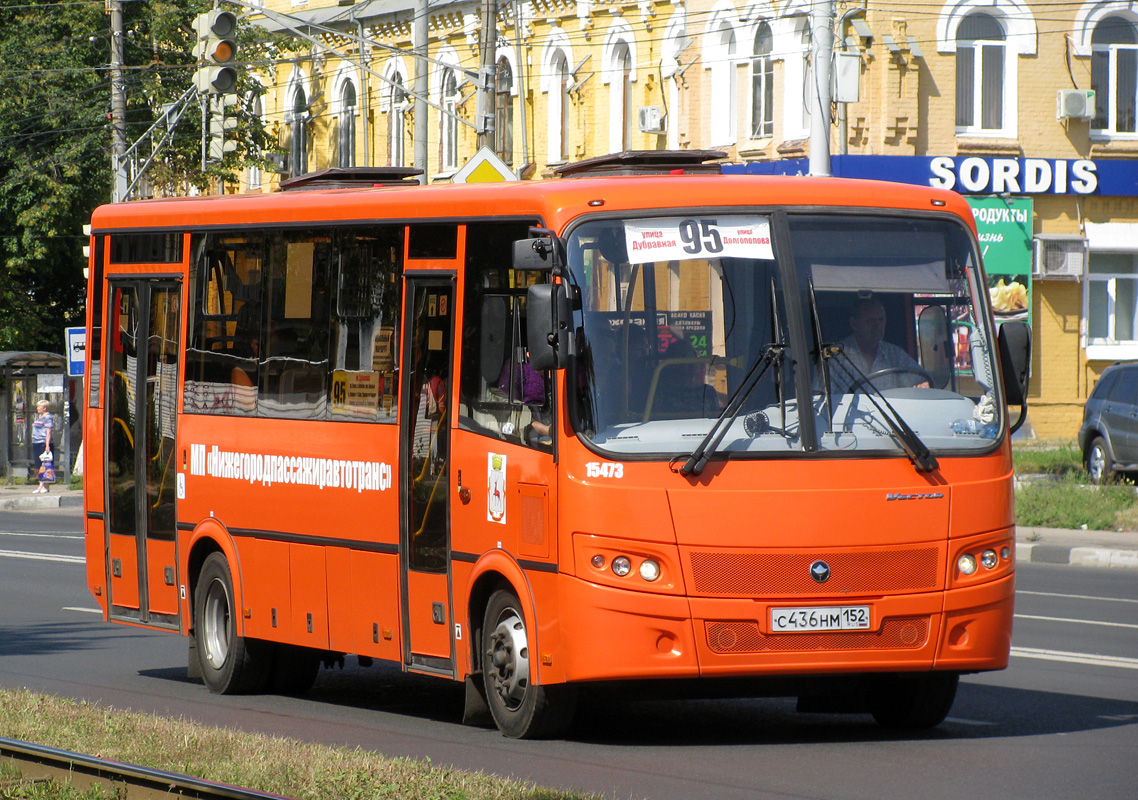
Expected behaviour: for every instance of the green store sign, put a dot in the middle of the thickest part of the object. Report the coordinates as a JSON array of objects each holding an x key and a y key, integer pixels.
[{"x": 1004, "y": 227}]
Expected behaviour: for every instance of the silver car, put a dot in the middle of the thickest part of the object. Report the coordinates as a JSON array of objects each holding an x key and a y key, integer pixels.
[{"x": 1109, "y": 435}]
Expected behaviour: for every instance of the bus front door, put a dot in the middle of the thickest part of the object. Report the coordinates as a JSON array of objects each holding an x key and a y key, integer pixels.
[
  {"x": 140, "y": 466},
  {"x": 425, "y": 475}
]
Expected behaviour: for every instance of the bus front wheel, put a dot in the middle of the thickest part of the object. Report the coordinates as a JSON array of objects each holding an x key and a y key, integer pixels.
[
  {"x": 230, "y": 664},
  {"x": 912, "y": 702},
  {"x": 521, "y": 708}
]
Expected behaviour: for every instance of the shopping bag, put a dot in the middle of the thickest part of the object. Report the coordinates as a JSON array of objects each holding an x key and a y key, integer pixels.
[{"x": 46, "y": 472}]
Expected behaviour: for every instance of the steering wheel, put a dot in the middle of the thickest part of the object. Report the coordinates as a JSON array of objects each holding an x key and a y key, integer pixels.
[{"x": 912, "y": 370}]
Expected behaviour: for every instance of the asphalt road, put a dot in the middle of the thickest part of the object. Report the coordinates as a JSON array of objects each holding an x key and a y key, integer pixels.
[{"x": 1061, "y": 722}]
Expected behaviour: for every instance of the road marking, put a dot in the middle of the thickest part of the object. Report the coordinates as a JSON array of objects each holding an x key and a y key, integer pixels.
[
  {"x": 1079, "y": 621},
  {"x": 42, "y": 557},
  {"x": 961, "y": 721},
  {"x": 1080, "y": 597},
  {"x": 84, "y": 610},
  {"x": 43, "y": 534},
  {"x": 1076, "y": 658}
]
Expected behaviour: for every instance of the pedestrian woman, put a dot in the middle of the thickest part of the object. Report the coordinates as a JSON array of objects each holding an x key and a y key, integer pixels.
[{"x": 42, "y": 429}]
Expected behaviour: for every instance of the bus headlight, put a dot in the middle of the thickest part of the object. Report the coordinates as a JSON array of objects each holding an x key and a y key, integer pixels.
[
  {"x": 966, "y": 564},
  {"x": 649, "y": 570},
  {"x": 621, "y": 566},
  {"x": 989, "y": 559}
]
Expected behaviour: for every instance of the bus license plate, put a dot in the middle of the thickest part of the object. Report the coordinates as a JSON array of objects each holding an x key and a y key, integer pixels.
[{"x": 820, "y": 618}]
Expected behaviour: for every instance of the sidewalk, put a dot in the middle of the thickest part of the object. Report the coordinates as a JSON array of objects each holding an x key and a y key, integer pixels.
[
  {"x": 1084, "y": 548},
  {"x": 21, "y": 497}
]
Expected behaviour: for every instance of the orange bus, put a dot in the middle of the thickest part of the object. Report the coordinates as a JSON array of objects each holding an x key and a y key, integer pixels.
[{"x": 537, "y": 436}]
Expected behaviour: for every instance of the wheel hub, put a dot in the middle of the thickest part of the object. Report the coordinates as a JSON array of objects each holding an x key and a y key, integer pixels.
[{"x": 509, "y": 657}]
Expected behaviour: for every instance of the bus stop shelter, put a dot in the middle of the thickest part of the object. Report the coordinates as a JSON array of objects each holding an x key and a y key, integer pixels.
[{"x": 25, "y": 379}]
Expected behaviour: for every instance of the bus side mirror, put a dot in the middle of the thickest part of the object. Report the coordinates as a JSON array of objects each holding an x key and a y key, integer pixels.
[
  {"x": 535, "y": 254},
  {"x": 548, "y": 326},
  {"x": 1015, "y": 360}
]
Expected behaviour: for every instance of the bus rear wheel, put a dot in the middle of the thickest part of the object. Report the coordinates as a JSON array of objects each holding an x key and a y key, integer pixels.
[
  {"x": 912, "y": 702},
  {"x": 230, "y": 664},
  {"x": 521, "y": 709}
]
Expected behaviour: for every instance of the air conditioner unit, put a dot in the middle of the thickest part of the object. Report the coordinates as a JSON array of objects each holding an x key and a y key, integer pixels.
[
  {"x": 1059, "y": 256},
  {"x": 653, "y": 120},
  {"x": 1075, "y": 104}
]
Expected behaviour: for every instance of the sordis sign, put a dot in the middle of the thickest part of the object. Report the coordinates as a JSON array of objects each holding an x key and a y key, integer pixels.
[{"x": 1014, "y": 175}]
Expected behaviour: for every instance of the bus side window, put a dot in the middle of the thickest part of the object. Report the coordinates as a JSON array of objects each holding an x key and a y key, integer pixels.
[
  {"x": 500, "y": 395},
  {"x": 365, "y": 324},
  {"x": 225, "y": 323}
]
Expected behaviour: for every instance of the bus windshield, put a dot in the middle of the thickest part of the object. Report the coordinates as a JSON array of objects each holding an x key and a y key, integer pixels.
[{"x": 876, "y": 323}]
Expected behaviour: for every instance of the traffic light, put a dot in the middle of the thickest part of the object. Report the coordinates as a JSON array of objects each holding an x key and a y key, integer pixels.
[
  {"x": 215, "y": 50},
  {"x": 221, "y": 128}
]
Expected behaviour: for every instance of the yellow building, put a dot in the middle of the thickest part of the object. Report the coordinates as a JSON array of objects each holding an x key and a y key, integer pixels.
[{"x": 987, "y": 97}]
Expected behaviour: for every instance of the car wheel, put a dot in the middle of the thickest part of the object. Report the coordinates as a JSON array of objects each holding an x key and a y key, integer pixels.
[{"x": 1100, "y": 461}]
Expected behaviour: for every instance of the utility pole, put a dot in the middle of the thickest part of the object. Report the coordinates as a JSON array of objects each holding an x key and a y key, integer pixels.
[
  {"x": 422, "y": 85},
  {"x": 488, "y": 41},
  {"x": 821, "y": 93},
  {"x": 118, "y": 105}
]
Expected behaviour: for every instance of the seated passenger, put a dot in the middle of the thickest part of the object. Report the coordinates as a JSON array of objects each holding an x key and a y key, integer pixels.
[
  {"x": 866, "y": 348},
  {"x": 681, "y": 389}
]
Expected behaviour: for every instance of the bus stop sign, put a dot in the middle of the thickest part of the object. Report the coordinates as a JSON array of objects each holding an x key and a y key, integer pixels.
[{"x": 76, "y": 350}]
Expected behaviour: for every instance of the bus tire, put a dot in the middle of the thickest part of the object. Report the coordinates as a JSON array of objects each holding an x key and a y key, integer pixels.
[
  {"x": 521, "y": 709},
  {"x": 912, "y": 702},
  {"x": 294, "y": 670},
  {"x": 230, "y": 664}
]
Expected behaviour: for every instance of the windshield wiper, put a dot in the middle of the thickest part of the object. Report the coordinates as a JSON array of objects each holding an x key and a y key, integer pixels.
[
  {"x": 917, "y": 451},
  {"x": 772, "y": 354}
]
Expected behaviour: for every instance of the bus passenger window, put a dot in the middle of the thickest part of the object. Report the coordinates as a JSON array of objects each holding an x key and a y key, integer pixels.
[
  {"x": 224, "y": 342},
  {"x": 365, "y": 332}
]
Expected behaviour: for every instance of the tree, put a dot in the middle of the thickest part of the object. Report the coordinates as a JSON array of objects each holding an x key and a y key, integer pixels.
[{"x": 55, "y": 165}]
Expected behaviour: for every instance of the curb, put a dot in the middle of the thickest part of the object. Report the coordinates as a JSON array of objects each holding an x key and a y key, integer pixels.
[
  {"x": 30, "y": 502},
  {"x": 1077, "y": 556}
]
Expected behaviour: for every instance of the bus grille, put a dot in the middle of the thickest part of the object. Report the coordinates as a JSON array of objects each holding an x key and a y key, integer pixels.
[
  {"x": 765, "y": 574},
  {"x": 745, "y": 637}
]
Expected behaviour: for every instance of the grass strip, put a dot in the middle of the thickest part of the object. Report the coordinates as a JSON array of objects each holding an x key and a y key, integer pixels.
[
  {"x": 1067, "y": 502},
  {"x": 253, "y": 761}
]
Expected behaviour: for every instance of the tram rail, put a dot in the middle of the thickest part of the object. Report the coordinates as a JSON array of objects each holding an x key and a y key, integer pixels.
[{"x": 37, "y": 762}]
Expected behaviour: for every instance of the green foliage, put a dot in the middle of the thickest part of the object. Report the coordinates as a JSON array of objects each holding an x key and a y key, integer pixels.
[
  {"x": 55, "y": 141},
  {"x": 1067, "y": 502}
]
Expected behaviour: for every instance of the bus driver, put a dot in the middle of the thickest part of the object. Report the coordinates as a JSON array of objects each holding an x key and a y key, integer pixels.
[{"x": 866, "y": 348}]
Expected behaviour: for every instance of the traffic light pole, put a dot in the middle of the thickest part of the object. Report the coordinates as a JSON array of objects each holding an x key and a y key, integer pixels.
[{"x": 118, "y": 105}]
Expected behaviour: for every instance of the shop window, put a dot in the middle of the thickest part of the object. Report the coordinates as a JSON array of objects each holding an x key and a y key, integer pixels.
[{"x": 1114, "y": 76}]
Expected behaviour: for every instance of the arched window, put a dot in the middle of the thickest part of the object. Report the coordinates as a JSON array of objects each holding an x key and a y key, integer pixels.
[
  {"x": 504, "y": 113},
  {"x": 980, "y": 73},
  {"x": 620, "y": 105},
  {"x": 559, "y": 105},
  {"x": 762, "y": 84},
  {"x": 254, "y": 175},
  {"x": 1114, "y": 75},
  {"x": 346, "y": 127},
  {"x": 721, "y": 67},
  {"x": 298, "y": 146},
  {"x": 448, "y": 122},
  {"x": 396, "y": 120}
]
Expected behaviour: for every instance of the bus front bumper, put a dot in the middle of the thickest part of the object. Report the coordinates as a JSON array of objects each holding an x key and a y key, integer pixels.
[{"x": 616, "y": 634}]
